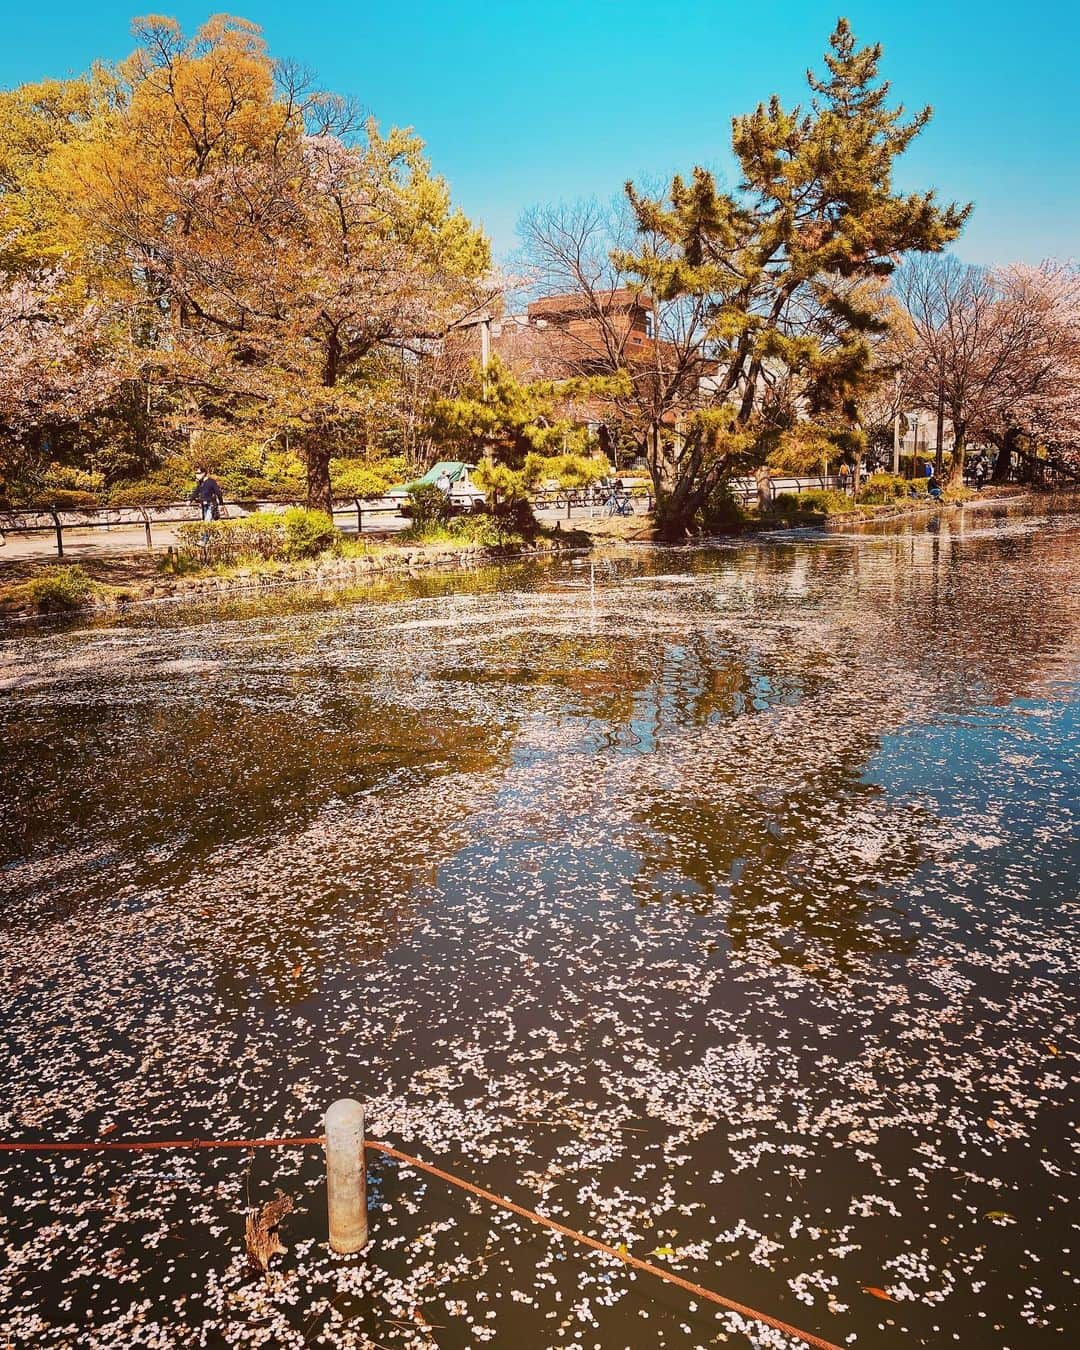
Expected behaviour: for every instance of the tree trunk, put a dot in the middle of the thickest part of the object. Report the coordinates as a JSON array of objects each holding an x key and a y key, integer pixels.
[
  {"x": 956, "y": 471},
  {"x": 939, "y": 449},
  {"x": 316, "y": 455},
  {"x": 319, "y": 495},
  {"x": 1003, "y": 463},
  {"x": 674, "y": 515},
  {"x": 677, "y": 508},
  {"x": 763, "y": 482}
]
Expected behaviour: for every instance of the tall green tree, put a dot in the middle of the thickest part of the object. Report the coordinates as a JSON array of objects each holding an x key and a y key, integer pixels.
[{"x": 768, "y": 273}]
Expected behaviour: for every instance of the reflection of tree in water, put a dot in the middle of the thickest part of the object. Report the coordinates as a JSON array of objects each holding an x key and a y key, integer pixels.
[
  {"x": 637, "y": 689},
  {"x": 211, "y": 774},
  {"x": 809, "y": 863},
  {"x": 772, "y": 820},
  {"x": 593, "y": 675},
  {"x": 808, "y": 874},
  {"x": 255, "y": 834},
  {"x": 960, "y": 591}
]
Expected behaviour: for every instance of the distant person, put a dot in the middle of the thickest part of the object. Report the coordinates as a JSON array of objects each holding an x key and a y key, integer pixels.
[
  {"x": 933, "y": 487},
  {"x": 928, "y": 468},
  {"x": 443, "y": 483},
  {"x": 208, "y": 495},
  {"x": 981, "y": 468},
  {"x": 845, "y": 476}
]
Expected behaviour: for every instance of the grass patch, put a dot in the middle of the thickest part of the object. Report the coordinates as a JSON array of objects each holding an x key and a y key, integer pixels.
[{"x": 62, "y": 590}]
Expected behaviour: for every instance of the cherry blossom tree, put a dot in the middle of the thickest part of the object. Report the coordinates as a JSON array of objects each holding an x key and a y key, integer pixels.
[
  {"x": 60, "y": 358},
  {"x": 1044, "y": 407},
  {"x": 1001, "y": 349}
]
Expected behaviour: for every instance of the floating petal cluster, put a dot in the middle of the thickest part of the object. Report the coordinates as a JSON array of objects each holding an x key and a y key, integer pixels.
[{"x": 719, "y": 903}]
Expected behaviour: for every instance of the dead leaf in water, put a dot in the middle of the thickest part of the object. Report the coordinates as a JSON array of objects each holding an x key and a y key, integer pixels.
[{"x": 261, "y": 1230}]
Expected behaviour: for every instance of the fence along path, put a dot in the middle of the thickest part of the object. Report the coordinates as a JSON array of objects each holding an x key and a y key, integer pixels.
[{"x": 619, "y": 1254}]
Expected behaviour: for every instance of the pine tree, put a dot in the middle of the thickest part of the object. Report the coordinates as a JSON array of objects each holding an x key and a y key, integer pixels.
[{"x": 775, "y": 267}]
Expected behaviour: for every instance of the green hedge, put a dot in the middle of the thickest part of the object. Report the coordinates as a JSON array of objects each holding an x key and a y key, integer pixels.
[
  {"x": 309, "y": 533},
  {"x": 815, "y": 501},
  {"x": 264, "y": 535},
  {"x": 428, "y": 504},
  {"x": 881, "y": 488}
]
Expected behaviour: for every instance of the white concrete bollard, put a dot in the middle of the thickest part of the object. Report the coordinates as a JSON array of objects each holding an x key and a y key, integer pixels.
[{"x": 346, "y": 1182}]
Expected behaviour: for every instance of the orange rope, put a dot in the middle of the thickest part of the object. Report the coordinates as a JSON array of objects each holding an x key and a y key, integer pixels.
[
  {"x": 696, "y": 1289},
  {"x": 699, "y": 1291},
  {"x": 135, "y": 1145}
]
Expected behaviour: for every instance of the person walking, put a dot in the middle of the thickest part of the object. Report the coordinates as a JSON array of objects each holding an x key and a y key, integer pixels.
[
  {"x": 208, "y": 495},
  {"x": 209, "y": 498},
  {"x": 980, "y": 472}
]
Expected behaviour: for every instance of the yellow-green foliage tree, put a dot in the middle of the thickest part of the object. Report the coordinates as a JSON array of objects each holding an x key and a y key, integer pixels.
[
  {"x": 525, "y": 433},
  {"x": 267, "y": 242}
]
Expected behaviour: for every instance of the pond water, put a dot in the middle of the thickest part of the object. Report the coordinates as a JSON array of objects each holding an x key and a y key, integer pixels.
[{"x": 720, "y": 902}]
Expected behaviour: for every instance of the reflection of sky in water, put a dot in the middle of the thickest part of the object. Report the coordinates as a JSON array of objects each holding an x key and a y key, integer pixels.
[{"x": 719, "y": 902}]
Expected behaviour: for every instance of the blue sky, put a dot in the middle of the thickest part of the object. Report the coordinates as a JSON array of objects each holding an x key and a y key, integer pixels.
[{"x": 523, "y": 103}]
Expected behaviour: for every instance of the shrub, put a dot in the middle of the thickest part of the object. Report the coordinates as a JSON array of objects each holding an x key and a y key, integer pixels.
[
  {"x": 63, "y": 480},
  {"x": 883, "y": 488},
  {"x": 366, "y": 479},
  {"x": 486, "y": 531},
  {"x": 79, "y": 480},
  {"x": 60, "y": 588},
  {"x": 477, "y": 531},
  {"x": 429, "y": 505},
  {"x": 825, "y": 502},
  {"x": 786, "y": 505},
  {"x": 264, "y": 535},
  {"x": 308, "y": 533},
  {"x": 65, "y": 499},
  {"x": 144, "y": 494},
  {"x": 515, "y": 517},
  {"x": 261, "y": 535},
  {"x": 722, "y": 512},
  {"x": 263, "y": 490}
]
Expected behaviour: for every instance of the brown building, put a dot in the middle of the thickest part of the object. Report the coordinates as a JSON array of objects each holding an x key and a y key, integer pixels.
[
  {"x": 560, "y": 336},
  {"x": 563, "y": 336}
]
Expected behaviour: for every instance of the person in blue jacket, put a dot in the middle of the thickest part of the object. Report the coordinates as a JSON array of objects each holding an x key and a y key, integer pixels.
[{"x": 207, "y": 493}]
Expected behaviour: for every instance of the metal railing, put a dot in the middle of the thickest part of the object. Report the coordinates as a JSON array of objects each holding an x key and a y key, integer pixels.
[
  {"x": 594, "y": 499},
  {"x": 121, "y": 517}
]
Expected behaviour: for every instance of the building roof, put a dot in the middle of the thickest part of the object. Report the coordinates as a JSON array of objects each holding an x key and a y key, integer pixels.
[{"x": 552, "y": 306}]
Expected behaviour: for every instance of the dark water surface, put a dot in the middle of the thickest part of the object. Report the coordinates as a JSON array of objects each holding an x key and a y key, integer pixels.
[{"x": 718, "y": 902}]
